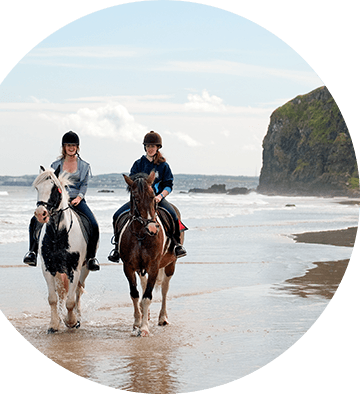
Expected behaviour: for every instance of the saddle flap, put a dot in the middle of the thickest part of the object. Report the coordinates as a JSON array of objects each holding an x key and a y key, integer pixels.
[
  {"x": 166, "y": 220},
  {"x": 121, "y": 221},
  {"x": 84, "y": 222}
]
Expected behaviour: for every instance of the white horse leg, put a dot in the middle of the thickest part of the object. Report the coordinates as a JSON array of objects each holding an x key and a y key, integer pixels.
[
  {"x": 144, "y": 329},
  {"x": 137, "y": 314},
  {"x": 53, "y": 302},
  {"x": 80, "y": 290},
  {"x": 143, "y": 280},
  {"x": 163, "y": 320},
  {"x": 71, "y": 320}
]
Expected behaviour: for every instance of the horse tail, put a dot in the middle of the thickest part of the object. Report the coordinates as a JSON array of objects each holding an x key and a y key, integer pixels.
[{"x": 159, "y": 279}]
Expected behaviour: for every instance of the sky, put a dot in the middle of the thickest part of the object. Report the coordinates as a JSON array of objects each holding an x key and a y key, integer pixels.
[{"x": 204, "y": 78}]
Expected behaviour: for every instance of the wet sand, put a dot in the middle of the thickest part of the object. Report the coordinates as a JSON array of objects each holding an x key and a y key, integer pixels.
[
  {"x": 226, "y": 321},
  {"x": 324, "y": 279},
  {"x": 342, "y": 238}
]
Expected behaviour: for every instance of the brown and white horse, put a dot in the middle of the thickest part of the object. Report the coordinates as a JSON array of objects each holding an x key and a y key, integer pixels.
[
  {"x": 62, "y": 247},
  {"x": 146, "y": 251}
]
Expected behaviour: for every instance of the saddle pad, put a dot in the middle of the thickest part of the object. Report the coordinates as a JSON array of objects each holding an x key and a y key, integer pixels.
[
  {"x": 121, "y": 221},
  {"x": 84, "y": 222},
  {"x": 167, "y": 221}
]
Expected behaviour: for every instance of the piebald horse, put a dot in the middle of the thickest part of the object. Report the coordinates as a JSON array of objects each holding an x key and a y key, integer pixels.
[
  {"x": 146, "y": 251},
  {"x": 62, "y": 247}
]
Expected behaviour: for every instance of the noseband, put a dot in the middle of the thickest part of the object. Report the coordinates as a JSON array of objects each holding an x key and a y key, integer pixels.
[
  {"x": 49, "y": 206},
  {"x": 53, "y": 210},
  {"x": 145, "y": 222}
]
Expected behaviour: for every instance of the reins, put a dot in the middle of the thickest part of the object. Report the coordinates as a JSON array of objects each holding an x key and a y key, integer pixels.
[
  {"x": 145, "y": 222},
  {"x": 53, "y": 212}
]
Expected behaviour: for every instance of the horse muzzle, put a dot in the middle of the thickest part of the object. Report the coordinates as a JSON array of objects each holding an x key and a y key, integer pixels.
[
  {"x": 42, "y": 215},
  {"x": 152, "y": 229}
]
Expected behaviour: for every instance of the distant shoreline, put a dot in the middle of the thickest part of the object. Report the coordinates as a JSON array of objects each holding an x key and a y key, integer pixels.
[
  {"x": 340, "y": 238},
  {"x": 323, "y": 279}
]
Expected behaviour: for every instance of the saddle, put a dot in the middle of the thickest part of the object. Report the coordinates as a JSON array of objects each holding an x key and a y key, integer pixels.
[
  {"x": 165, "y": 217},
  {"x": 84, "y": 222}
]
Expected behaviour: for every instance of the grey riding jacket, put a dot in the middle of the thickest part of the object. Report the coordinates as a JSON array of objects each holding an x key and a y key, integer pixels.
[{"x": 79, "y": 178}]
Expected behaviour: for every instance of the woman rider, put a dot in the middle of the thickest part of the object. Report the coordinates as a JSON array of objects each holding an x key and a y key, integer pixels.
[
  {"x": 162, "y": 186},
  {"x": 79, "y": 170}
]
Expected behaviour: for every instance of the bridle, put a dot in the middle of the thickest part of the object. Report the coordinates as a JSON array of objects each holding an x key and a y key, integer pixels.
[
  {"x": 55, "y": 212},
  {"x": 145, "y": 222}
]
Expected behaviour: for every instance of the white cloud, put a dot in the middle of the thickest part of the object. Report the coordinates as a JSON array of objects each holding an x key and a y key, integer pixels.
[
  {"x": 242, "y": 70},
  {"x": 112, "y": 121},
  {"x": 85, "y": 52},
  {"x": 205, "y": 103},
  {"x": 185, "y": 138}
]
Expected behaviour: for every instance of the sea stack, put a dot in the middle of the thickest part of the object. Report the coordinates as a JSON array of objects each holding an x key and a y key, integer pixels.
[{"x": 308, "y": 150}]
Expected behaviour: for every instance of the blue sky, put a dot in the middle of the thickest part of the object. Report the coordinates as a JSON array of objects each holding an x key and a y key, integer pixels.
[{"x": 206, "y": 79}]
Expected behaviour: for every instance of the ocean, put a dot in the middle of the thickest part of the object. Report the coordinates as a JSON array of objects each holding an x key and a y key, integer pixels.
[{"x": 229, "y": 307}]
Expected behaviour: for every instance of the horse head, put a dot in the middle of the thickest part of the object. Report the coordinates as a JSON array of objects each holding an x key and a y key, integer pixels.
[
  {"x": 142, "y": 201},
  {"x": 51, "y": 191}
]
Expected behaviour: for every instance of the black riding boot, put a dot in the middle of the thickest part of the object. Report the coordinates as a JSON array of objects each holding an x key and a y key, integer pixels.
[
  {"x": 179, "y": 249},
  {"x": 91, "y": 262},
  {"x": 114, "y": 255},
  {"x": 30, "y": 257}
]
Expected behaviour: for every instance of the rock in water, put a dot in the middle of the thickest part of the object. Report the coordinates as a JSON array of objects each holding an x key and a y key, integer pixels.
[{"x": 308, "y": 150}]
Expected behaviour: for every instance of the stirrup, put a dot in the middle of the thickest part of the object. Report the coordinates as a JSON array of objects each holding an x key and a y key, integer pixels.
[
  {"x": 114, "y": 255},
  {"x": 180, "y": 251},
  {"x": 30, "y": 258},
  {"x": 93, "y": 264}
]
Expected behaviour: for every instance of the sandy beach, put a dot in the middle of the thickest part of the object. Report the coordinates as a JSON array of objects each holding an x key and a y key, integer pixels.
[
  {"x": 325, "y": 278},
  {"x": 254, "y": 281},
  {"x": 220, "y": 323}
]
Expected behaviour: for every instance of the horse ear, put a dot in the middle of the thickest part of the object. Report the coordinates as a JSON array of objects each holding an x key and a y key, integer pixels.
[
  {"x": 151, "y": 178},
  {"x": 128, "y": 180},
  {"x": 57, "y": 171},
  {"x": 42, "y": 168}
]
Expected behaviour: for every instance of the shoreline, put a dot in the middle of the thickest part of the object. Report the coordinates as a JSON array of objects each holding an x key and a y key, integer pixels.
[
  {"x": 323, "y": 279},
  {"x": 339, "y": 238}
]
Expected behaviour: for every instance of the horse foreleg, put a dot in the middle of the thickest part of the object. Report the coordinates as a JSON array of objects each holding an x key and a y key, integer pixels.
[
  {"x": 134, "y": 294},
  {"x": 145, "y": 304},
  {"x": 53, "y": 302},
  {"x": 71, "y": 319}
]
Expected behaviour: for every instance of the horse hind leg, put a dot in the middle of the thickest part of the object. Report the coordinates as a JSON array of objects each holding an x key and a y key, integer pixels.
[
  {"x": 79, "y": 291},
  {"x": 163, "y": 319}
]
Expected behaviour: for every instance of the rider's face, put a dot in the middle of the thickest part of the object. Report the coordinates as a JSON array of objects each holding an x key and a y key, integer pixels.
[
  {"x": 71, "y": 149},
  {"x": 151, "y": 149}
]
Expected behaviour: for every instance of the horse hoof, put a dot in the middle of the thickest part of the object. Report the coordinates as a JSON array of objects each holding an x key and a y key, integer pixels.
[
  {"x": 75, "y": 326},
  {"x": 164, "y": 323},
  {"x": 51, "y": 330},
  {"x": 144, "y": 333},
  {"x": 136, "y": 332}
]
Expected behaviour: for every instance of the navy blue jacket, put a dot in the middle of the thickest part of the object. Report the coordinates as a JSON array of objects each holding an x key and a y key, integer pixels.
[{"x": 164, "y": 178}]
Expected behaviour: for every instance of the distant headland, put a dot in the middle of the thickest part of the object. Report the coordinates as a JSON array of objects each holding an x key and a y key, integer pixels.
[{"x": 182, "y": 182}]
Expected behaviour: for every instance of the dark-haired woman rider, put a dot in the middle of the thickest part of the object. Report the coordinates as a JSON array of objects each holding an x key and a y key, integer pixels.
[{"x": 162, "y": 186}]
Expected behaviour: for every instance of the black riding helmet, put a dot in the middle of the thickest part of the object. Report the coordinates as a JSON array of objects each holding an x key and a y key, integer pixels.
[
  {"x": 70, "y": 138},
  {"x": 152, "y": 138}
]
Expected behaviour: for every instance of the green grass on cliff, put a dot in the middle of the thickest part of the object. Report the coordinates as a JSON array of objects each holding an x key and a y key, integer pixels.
[{"x": 319, "y": 117}]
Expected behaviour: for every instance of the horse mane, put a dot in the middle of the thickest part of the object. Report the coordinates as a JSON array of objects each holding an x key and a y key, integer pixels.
[
  {"x": 137, "y": 177},
  {"x": 61, "y": 182}
]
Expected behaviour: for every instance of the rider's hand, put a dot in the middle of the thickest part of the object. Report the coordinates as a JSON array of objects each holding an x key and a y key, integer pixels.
[
  {"x": 76, "y": 201},
  {"x": 158, "y": 198}
]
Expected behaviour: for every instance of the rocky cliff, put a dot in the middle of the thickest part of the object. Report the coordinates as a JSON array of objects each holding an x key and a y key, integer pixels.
[{"x": 308, "y": 150}]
